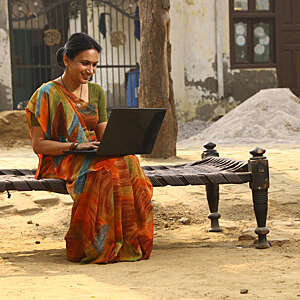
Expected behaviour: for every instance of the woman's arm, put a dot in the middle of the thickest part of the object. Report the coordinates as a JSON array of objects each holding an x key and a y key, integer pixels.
[
  {"x": 42, "y": 146},
  {"x": 100, "y": 130}
]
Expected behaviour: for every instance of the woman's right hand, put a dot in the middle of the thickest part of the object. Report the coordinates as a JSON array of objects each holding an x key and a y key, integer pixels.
[{"x": 48, "y": 147}]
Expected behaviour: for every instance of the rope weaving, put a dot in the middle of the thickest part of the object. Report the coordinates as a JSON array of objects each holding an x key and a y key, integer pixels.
[{"x": 212, "y": 170}]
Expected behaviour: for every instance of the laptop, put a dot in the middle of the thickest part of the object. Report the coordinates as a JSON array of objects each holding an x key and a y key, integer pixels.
[{"x": 128, "y": 131}]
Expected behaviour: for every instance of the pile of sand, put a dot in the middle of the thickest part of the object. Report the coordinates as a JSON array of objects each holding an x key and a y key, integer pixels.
[
  {"x": 270, "y": 116},
  {"x": 13, "y": 129}
]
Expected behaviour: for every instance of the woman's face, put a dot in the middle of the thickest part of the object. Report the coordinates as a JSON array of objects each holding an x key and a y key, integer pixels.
[{"x": 83, "y": 66}]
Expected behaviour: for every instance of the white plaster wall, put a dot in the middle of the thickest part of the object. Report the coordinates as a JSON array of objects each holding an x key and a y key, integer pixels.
[
  {"x": 177, "y": 38},
  {"x": 194, "y": 51},
  {"x": 5, "y": 62},
  {"x": 199, "y": 39},
  {"x": 200, "y": 49}
]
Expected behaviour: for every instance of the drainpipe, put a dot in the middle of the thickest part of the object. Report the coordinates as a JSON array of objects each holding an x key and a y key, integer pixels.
[
  {"x": 8, "y": 79},
  {"x": 219, "y": 47}
]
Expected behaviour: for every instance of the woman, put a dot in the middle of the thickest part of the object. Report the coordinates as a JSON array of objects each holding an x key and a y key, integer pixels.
[{"x": 112, "y": 213}]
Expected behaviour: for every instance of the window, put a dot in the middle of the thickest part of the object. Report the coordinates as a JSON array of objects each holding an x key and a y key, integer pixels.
[{"x": 252, "y": 32}]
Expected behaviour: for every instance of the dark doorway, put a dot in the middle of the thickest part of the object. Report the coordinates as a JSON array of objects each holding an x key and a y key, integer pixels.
[
  {"x": 31, "y": 62},
  {"x": 288, "y": 44}
]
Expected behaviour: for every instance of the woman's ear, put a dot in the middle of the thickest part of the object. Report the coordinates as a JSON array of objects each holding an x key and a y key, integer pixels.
[{"x": 66, "y": 60}]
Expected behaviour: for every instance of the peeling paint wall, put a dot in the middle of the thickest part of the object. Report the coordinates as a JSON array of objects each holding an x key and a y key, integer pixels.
[
  {"x": 177, "y": 44},
  {"x": 194, "y": 69},
  {"x": 5, "y": 64}
]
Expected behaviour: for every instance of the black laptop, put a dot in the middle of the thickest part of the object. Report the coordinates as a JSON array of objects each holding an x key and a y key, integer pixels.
[{"x": 129, "y": 131}]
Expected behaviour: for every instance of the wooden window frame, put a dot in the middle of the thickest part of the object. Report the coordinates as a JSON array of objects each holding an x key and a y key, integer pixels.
[{"x": 250, "y": 17}]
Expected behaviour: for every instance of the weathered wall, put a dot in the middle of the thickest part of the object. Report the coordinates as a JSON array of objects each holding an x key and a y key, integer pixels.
[
  {"x": 194, "y": 70},
  {"x": 178, "y": 45},
  {"x": 5, "y": 64}
]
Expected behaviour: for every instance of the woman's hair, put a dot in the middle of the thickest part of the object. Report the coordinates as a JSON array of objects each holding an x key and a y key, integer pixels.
[{"x": 77, "y": 43}]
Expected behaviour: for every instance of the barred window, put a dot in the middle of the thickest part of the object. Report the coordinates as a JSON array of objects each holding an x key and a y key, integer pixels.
[{"x": 252, "y": 33}]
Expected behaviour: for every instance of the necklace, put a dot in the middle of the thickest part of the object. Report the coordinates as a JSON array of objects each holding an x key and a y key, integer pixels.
[{"x": 69, "y": 90}]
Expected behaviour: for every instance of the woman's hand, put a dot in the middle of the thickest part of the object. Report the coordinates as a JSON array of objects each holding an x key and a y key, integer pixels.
[
  {"x": 42, "y": 146},
  {"x": 87, "y": 146}
]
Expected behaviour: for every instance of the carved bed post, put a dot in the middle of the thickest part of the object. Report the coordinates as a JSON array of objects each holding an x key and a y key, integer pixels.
[
  {"x": 259, "y": 168},
  {"x": 212, "y": 192}
]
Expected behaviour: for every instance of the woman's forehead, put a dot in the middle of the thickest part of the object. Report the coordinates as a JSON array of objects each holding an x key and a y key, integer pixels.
[{"x": 90, "y": 55}]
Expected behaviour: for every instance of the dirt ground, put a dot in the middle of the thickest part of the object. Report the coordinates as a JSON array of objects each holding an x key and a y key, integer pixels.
[{"x": 187, "y": 261}]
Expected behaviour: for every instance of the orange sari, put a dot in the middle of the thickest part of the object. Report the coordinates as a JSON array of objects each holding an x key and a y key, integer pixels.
[{"x": 112, "y": 216}]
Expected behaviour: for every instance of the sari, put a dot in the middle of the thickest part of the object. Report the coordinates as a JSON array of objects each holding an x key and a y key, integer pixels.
[{"x": 111, "y": 216}]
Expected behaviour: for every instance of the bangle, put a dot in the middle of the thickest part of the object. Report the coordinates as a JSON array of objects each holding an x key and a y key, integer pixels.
[{"x": 73, "y": 146}]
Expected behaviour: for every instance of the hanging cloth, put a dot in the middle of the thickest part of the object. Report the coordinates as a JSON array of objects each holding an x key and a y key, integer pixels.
[
  {"x": 137, "y": 23},
  {"x": 102, "y": 23}
]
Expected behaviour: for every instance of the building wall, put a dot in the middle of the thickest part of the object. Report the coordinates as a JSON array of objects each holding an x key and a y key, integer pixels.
[
  {"x": 194, "y": 67},
  {"x": 5, "y": 63},
  {"x": 193, "y": 39},
  {"x": 177, "y": 37}
]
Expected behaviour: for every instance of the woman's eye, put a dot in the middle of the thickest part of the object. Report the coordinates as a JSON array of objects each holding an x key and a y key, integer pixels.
[
  {"x": 94, "y": 65},
  {"x": 85, "y": 63}
]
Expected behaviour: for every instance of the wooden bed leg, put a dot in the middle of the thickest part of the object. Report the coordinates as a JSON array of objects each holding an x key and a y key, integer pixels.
[
  {"x": 212, "y": 192},
  {"x": 258, "y": 166}
]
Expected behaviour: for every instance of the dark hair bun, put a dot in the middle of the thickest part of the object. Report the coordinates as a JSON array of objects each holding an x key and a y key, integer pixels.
[
  {"x": 77, "y": 43},
  {"x": 60, "y": 57}
]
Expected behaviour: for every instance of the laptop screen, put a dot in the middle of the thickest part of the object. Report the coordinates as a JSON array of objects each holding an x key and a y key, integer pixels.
[{"x": 129, "y": 131}]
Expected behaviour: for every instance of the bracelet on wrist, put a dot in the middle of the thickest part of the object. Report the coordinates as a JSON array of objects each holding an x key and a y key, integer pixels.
[{"x": 73, "y": 146}]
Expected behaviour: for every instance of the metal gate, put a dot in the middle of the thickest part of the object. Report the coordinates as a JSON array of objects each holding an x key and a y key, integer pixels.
[{"x": 39, "y": 27}]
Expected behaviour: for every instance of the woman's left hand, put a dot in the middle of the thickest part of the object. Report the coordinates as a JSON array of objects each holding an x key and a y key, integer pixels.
[{"x": 87, "y": 146}]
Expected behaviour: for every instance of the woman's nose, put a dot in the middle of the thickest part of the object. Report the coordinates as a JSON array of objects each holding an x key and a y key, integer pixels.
[{"x": 90, "y": 69}]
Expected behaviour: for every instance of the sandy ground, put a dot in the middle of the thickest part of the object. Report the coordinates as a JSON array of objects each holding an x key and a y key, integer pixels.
[{"x": 187, "y": 261}]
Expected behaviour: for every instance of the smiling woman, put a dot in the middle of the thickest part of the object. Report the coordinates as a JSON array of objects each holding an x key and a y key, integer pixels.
[{"x": 112, "y": 213}]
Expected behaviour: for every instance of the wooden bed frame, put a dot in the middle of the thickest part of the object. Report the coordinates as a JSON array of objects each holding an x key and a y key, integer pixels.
[{"x": 210, "y": 171}]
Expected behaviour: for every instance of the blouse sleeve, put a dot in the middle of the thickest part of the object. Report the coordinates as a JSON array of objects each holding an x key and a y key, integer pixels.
[
  {"x": 102, "y": 114},
  {"x": 97, "y": 98}
]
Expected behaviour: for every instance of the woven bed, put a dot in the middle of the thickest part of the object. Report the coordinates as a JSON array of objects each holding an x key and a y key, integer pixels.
[{"x": 211, "y": 171}]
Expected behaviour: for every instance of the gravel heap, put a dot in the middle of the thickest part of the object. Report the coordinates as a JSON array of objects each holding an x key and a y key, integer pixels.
[
  {"x": 270, "y": 116},
  {"x": 191, "y": 128}
]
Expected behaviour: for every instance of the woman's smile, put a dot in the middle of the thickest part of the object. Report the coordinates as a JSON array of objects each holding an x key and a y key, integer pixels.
[{"x": 86, "y": 76}]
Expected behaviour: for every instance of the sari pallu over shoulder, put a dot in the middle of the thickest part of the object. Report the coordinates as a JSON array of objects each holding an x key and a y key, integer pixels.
[{"x": 52, "y": 106}]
